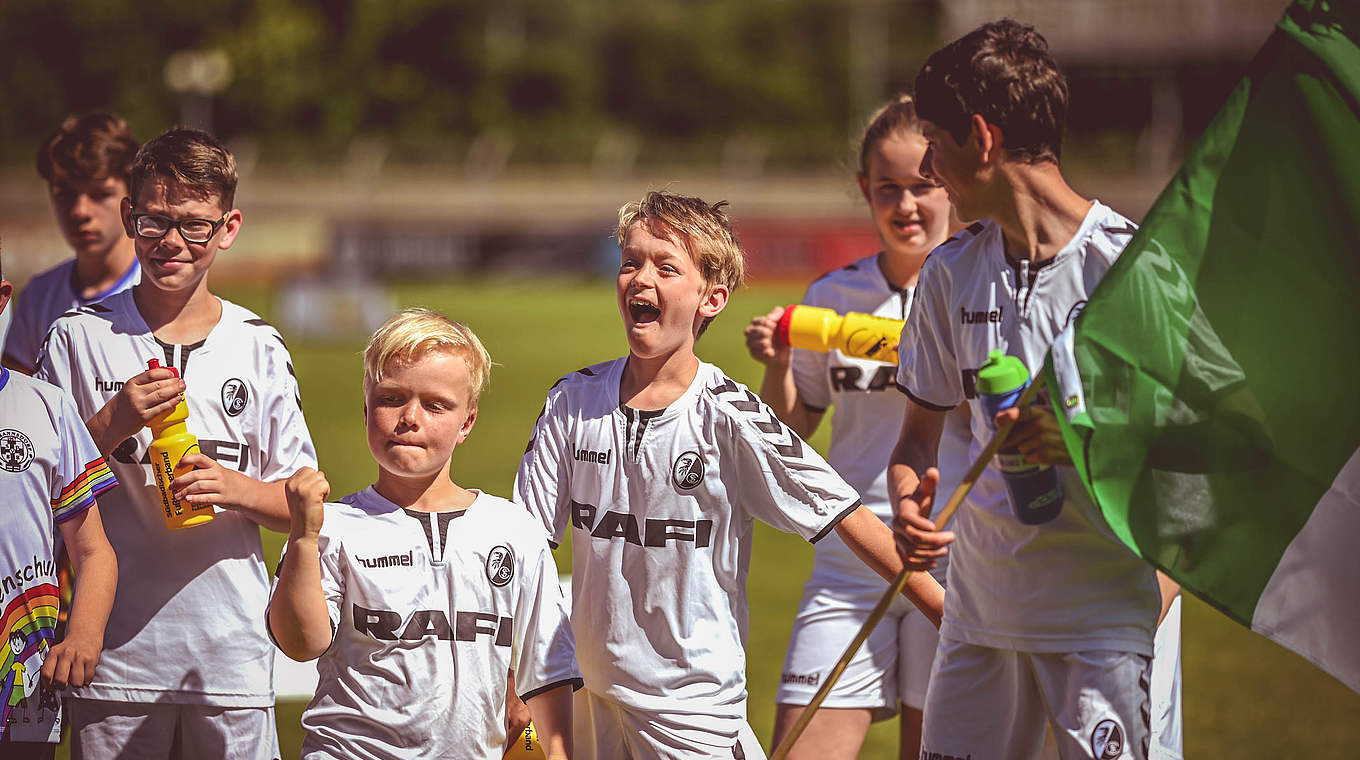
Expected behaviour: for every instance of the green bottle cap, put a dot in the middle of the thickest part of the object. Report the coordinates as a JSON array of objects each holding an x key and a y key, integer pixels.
[{"x": 1001, "y": 374}]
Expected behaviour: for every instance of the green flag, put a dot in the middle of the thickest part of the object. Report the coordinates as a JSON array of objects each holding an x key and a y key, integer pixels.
[{"x": 1209, "y": 392}]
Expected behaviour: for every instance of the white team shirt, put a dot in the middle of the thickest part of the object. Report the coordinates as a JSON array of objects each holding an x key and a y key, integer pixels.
[
  {"x": 1067, "y": 585},
  {"x": 47, "y": 296},
  {"x": 187, "y": 623},
  {"x": 430, "y": 611},
  {"x": 868, "y": 412},
  {"x": 661, "y": 506},
  {"x": 50, "y": 471}
]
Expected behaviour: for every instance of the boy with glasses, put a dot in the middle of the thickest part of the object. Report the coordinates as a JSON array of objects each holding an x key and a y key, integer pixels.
[{"x": 187, "y": 668}]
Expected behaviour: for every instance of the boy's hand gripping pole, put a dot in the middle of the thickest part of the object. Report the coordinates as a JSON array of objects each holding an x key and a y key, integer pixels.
[{"x": 960, "y": 492}]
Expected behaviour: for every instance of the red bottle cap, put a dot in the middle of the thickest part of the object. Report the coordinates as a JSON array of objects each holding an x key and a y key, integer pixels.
[
  {"x": 781, "y": 330},
  {"x": 156, "y": 364}
]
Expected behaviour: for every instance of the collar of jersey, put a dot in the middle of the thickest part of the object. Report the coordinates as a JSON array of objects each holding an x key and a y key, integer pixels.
[
  {"x": 4, "y": 378},
  {"x": 121, "y": 284},
  {"x": 370, "y": 496},
  {"x": 1097, "y": 211},
  {"x": 616, "y": 376}
]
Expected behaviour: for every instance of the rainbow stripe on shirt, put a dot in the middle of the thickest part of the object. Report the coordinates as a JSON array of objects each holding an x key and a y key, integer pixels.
[{"x": 81, "y": 492}]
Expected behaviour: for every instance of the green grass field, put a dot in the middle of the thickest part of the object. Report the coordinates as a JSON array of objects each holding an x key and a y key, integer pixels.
[{"x": 1244, "y": 697}]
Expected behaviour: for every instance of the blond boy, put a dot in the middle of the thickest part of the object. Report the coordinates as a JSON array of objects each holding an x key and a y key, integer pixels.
[
  {"x": 418, "y": 594},
  {"x": 660, "y": 464}
]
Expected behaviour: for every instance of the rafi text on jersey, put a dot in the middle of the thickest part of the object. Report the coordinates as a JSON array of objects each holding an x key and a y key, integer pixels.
[
  {"x": 387, "y": 625},
  {"x": 654, "y": 532},
  {"x": 226, "y": 453},
  {"x": 849, "y": 378}
]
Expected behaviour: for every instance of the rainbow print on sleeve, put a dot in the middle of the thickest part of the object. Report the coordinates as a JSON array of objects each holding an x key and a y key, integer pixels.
[{"x": 81, "y": 492}]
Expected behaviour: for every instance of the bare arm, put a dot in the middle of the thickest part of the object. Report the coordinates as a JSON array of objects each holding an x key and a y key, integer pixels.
[
  {"x": 210, "y": 483},
  {"x": 72, "y": 662},
  {"x": 872, "y": 542},
  {"x": 1170, "y": 590},
  {"x": 912, "y": 477},
  {"x": 298, "y": 616},
  {"x": 777, "y": 387},
  {"x": 551, "y": 710}
]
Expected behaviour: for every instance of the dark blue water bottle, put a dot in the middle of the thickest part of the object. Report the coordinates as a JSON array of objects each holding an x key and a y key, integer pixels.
[{"x": 1035, "y": 492}]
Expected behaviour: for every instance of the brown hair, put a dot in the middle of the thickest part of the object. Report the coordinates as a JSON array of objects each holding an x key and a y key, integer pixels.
[
  {"x": 93, "y": 146},
  {"x": 896, "y": 117},
  {"x": 1002, "y": 71},
  {"x": 196, "y": 161}
]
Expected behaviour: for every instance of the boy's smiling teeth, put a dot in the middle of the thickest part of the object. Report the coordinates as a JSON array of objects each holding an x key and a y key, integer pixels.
[{"x": 641, "y": 311}]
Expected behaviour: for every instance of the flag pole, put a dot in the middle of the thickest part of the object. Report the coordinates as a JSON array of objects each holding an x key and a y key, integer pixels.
[{"x": 960, "y": 492}]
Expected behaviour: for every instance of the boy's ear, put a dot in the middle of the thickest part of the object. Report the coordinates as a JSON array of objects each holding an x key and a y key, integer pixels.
[
  {"x": 986, "y": 138},
  {"x": 125, "y": 207},
  {"x": 863, "y": 186},
  {"x": 6, "y": 290},
  {"x": 233, "y": 226},
  {"x": 714, "y": 301},
  {"x": 466, "y": 429}
]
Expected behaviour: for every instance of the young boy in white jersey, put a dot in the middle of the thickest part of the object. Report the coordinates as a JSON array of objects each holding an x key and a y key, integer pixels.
[
  {"x": 85, "y": 163},
  {"x": 51, "y": 473},
  {"x": 660, "y": 463},
  {"x": 1056, "y": 619},
  {"x": 911, "y": 215},
  {"x": 419, "y": 594},
  {"x": 187, "y": 667}
]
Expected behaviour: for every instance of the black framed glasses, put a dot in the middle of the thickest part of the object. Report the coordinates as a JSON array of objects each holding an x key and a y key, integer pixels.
[{"x": 192, "y": 230}]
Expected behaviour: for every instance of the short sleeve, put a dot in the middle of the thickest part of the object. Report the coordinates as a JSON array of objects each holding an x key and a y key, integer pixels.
[
  {"x": 288, "y": 446},
  {"x": 82, "y": 474},
  {"x": 545, "y": 649},
  {"x": 779, "y": 479},
  {"x": 927, "y": 368},
  {"x": 54, "y": 359},
  {"x": 542, "y": 475}
]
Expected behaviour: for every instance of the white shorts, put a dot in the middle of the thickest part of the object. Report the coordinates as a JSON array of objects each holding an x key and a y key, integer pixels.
[
  {"x": 606, "y": 730},
  {"x": 1166, "y": 687},
  {"x": 996, "y": 703},
  {"x": 101, "y": 730},
  {"x": 893, "y": 664}
]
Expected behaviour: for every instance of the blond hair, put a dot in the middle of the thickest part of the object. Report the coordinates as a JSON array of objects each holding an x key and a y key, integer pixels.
[
  {"x": 412, "y": 333},
  {"x": 704, "y": 231}
]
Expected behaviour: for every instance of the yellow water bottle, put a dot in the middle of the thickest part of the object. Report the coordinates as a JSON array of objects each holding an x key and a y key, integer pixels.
[
  {"x": 171, "y": 440},
  {"x": 854, "y": 334},
  {"x": 526, "y": 747}
]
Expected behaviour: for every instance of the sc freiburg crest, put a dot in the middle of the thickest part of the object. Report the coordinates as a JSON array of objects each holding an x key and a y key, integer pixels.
[
  {"x": 688, "y": 471},
  {"x": 1107, "y": 740},
  {"x": 234, "y": 397},
  {"x": 500, "y": 565},
  {"x": 16, "y": 451}
]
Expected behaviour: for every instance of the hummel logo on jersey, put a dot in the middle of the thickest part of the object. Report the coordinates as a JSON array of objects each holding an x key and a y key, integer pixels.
[
  {"x": 391, "y": 560},
  {"x": 655, "y": 532},
  {"x": 806, "y": 679},
  {"x": 16, "y": 451},
  {"x": 594, "y": 457},
  {"x": 108, "y": 386},
  {"x": 467, "y": 626},
  {"x": 688, "y": 471},
  {"x": 981, "y": 317},
  {"x": 847, "y": 378},
  {"x": 941, "y": 756},
  {"x": 500, "y": 565}
]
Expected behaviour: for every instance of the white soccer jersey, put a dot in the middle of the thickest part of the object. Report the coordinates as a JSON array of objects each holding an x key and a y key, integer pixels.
[
  {"x": 186, "y": 624},
  {"x": 430, "y": 611},
  {"x": 47, "y": 296},
  {"x": 50, "y": 471},
  {"x": 868, "y": 412},
  {"x": 1067, "y": 585},
  {"x": 661, "y": 506}
]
